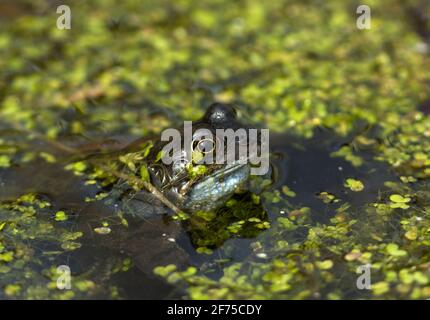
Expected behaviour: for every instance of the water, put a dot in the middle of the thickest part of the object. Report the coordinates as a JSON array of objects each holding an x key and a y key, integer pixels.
[{"x": 306, "y": 166}]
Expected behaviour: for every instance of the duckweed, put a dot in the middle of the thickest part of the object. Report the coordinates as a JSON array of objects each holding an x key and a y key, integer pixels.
[
  {"x": 354, "y": 185},
  {"x": 166, "y": 62}
]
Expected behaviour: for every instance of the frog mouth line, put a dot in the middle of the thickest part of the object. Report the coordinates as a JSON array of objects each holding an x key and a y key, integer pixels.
[
  {"x": 216, "y": 173},
  {"x": 219, "y": 176},
  {"x": 226, "y": 171},
  {"x": 216, "y": 188}
]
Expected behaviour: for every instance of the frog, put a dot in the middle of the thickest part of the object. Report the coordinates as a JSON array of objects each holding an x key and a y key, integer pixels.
[
  {"x": 207, "y": 191},
  {"x": 155, "y": 237},
  {"x": 152, "y": 236}
]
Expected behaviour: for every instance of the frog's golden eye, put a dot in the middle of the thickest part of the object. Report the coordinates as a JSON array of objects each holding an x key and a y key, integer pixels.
[
  {"x": 205, "y": 145},
  {"x": 203, "y": 142}
]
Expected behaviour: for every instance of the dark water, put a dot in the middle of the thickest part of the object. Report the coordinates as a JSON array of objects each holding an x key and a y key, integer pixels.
[{"x": 306, "y": 166}]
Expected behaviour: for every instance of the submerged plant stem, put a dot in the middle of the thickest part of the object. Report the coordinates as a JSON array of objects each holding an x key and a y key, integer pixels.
[{"x": 144, "y": 184}]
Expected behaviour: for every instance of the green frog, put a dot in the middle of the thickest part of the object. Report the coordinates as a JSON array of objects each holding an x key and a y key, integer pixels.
[
  {"x": 155, "y": 236},
  {"x": 212, "y": 186},
  {"x": 152, "y": 237}
]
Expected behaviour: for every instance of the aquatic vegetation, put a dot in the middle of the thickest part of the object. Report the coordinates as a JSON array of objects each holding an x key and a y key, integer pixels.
[
  {"x": 131, "y": 69},
  {"x": 30, "y": 241},
  {"x": 354, "y": 185}
]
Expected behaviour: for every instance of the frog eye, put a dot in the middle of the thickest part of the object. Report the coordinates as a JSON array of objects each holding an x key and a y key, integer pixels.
[
  {"x": 205, "y": 145},
  {"x": 203, "y": 141}
]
